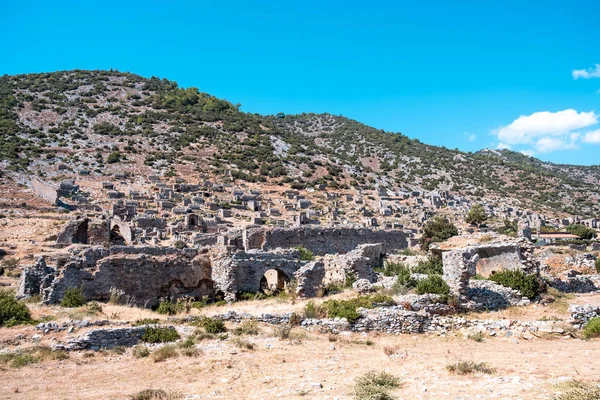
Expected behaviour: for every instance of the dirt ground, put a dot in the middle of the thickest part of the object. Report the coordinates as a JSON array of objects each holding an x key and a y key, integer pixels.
[{"x": 310, "y": 364}]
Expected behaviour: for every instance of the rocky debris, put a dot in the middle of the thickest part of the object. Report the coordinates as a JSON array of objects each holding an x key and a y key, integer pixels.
[
  {"x": 494, "y": 296},
  {"x": 580, "y": 315},
  {"x": 35, "y": 279},
  {"x": 575, "y": 282},
  {"x": 409, "y": 261},
  {"x": 358, "y": 264},
  {"x": 459, "y": 265},
  {"x": 363, "y": 286},
  {"x": 106, "y": 338},
  {"x": 47, "y": 327},
  {"x": 581, "y": 261},
  {"x": 309, "y": 278},
  {"x": 430, "y": 303}
]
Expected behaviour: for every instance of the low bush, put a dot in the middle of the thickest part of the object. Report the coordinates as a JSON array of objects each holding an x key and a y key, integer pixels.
[
  {"x": 73, "y": 297},
  {"x": 433, "y": 284},
  {"x": 375, "y": 386},
  {"x": 160, "y": 334},
  {"x": 347, "y": 308},
  {"x": 249, "y": 327},
  {"x": 12, "y": 311},
  {"x": 518, "y": 280},
  {"x": 243, "y": 344},
  {"x": 598, "y": 264},
  {"x": 167, "y": 307},
  {"x": 305, "y": 254},
  {"x": 212, "y": 325},
  {"x": 592, "y": 328},
  {"x": 150, "y": 394},
  {"x": 578, "y": 390},
  {"x": 146, "y": 321},
  {"x": 164, "y": 353},
  {"x": 432, "y": 266},
  {"x": 190, "y": 351},
  {"x": 469, "y": 367},
  {"x": 140, "y": 351},
  {"x": 312, "y": 310}
]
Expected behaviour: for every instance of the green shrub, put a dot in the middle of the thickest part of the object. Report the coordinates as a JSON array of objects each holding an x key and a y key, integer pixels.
[
  {"x": 212, "y": 325},
  {"x": 166, "y": 307},
  {"x": 347, "y": 308},
  {"x": 582, "y": 231},
  {"x": 22, "y": 360},
  {"x": 433, "y": 284},
  {"x": 305, "y": 254},
  {"x": 113, "y": 157},
  {"x": 437, "y": 229},
  {"x": 598, "y": 264},
  {"x": 517, "y": 280},
  {"x": 12, "y": 311},
  {"x": 592, "y": 328},
  {"x": 375, "y": 386},
  {"x": 160, "y": 334},
  {"x": 73, "y": 297},
  {"x": 433, "y": 265}
]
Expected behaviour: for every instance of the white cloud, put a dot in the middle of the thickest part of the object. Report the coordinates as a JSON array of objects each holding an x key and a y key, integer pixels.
[
  {"x": 503, "y": 146},
  {"x": 527, "y": 128},
  {"x": 529, "y": 153},
  {"x": 593, "y": 72},
  {"x": 592, "y": 137},
  {"x": 472, "y": 137},
  {"x": 550, "y": 144}
]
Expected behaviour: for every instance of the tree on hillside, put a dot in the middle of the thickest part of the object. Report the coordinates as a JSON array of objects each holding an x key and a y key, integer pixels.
[
  {"x": 476, "y": 215},
  {"x": 437, "y": 229}
]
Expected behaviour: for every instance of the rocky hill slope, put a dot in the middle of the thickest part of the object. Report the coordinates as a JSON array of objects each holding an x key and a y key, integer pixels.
[{"x": 99, "y": 122}]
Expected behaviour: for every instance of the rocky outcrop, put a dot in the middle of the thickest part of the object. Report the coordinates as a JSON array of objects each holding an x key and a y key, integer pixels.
[{"x": 580, "y": 315}]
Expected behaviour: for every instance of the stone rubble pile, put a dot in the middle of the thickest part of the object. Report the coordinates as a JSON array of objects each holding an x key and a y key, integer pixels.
[{"x": 580, "y": 315}]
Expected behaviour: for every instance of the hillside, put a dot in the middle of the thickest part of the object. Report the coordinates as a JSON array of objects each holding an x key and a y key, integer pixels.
[{"x": 55, "y": 125}]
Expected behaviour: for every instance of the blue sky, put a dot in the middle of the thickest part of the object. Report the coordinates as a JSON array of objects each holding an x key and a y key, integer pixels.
[{"x": 462, "y": 74}]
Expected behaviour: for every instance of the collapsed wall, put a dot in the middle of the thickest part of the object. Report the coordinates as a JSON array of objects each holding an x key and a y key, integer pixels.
[
  {"x": 45, "y": 190},
  {"x": 323, "y": 240},
  {"x": 143, "y": 274}
]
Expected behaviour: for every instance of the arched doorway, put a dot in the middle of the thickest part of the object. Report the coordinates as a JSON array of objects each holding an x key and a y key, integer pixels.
[{"x": 273, "y": 281}]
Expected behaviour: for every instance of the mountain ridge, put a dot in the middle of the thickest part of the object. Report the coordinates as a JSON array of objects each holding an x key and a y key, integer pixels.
[{"x": 151, "y": 125}]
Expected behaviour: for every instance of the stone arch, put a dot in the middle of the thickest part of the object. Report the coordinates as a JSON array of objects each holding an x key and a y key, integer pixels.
[
  {"x": 273, "y": 280},
  {"x": 81, "y": 234},
  {"x": 192, "y": 221}
]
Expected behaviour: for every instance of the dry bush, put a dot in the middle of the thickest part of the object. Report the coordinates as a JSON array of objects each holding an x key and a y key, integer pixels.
[
  {"x": 469, "y": 367},
  {"x": 578, "y": 390},
  {"x": 375, "y": 386},
  {"x": 164, "y": 353},
  {"x": 151, "y": 394},
  {"x": 243, "y": 344},
  {"x": 390, "y": 350}
]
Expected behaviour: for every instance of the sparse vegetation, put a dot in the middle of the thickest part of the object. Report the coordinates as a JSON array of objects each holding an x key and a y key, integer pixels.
[
  {"x": 212, "y": 325},
  {"x": 578, "y": 390},
  {"x": 305, "y": 254},
  {"x": 163, "y": 353},
  {"x": 375, "y": 386},
  {"x": 150, "y": 394},
  {"x": 469, "y": 367},
  {"x": 347, "y": 308},
  {"x": 249, "y": 327},
  {"x": 140, "y": 351}
]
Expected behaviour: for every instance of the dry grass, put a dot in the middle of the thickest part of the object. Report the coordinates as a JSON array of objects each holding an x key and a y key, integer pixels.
[{"x": 164, "y": 353}]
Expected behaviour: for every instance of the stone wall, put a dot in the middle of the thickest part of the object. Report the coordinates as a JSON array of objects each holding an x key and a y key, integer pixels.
[
  {"x": 243, "y": 271},
  {"x": 108, "y": 338},
  {"x": 85, "y": 231},
  {"x": 143, "y": 273},
  {"x": 45, "y": 191},
  {"x": 323, "y": 240}
]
